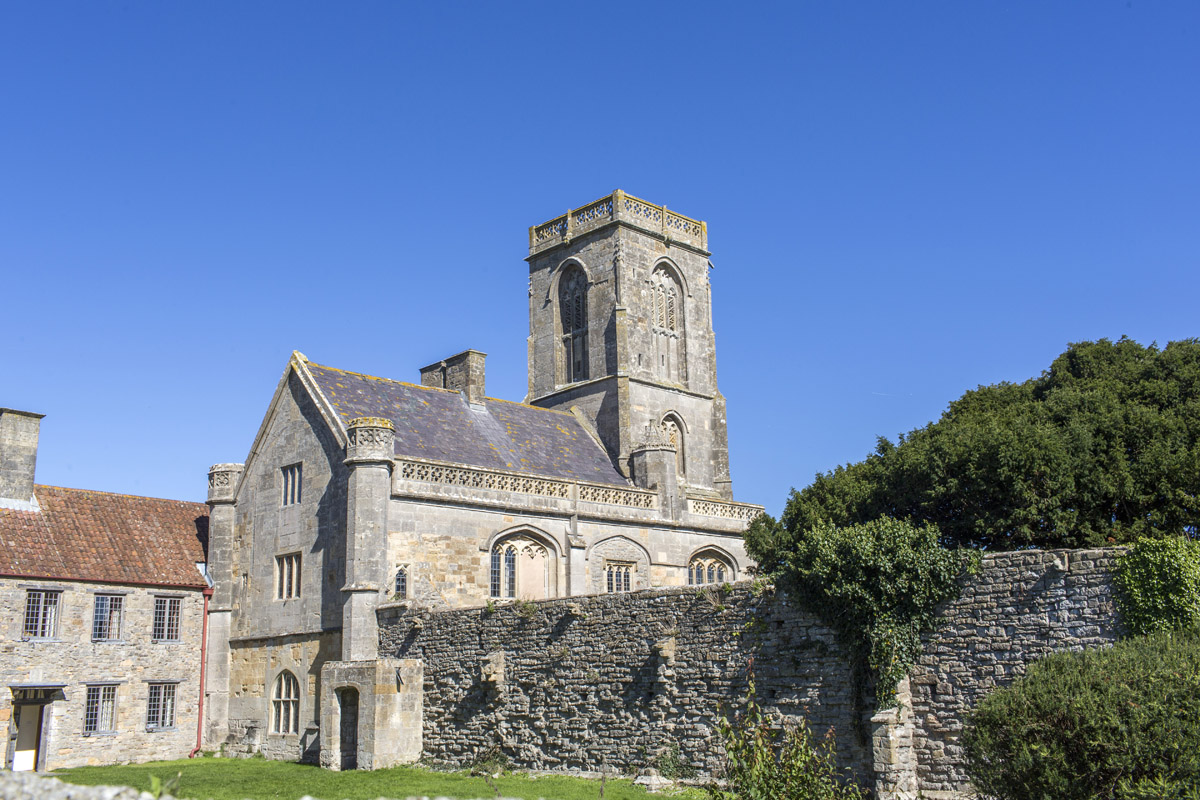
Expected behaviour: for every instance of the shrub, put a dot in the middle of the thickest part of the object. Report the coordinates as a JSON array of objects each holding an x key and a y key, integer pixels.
[
  {"x": 1120, "y": 723},
  {"x": 1158, "y": 585},
  {"x": 878, "y": 585},
  {"x": 766, "y": 759}
]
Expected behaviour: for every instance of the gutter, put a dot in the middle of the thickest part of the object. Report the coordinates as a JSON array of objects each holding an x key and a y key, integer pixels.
[{"x": 208, "y": 593}]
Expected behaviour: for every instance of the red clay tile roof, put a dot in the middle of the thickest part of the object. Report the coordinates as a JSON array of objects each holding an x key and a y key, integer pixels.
[{"x": 109, "y": 538}]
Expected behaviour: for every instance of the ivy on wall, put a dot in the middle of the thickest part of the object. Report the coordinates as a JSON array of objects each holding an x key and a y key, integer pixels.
[{"x": 1158, "y": 585}]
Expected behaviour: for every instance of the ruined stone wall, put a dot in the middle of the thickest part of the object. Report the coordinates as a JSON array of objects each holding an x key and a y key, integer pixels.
[
  {"x": 618, "y": 680},
  {"x": 1021, "y": 607}
]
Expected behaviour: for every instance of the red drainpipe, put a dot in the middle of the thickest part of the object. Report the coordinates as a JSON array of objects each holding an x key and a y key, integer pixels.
[{"x": 208, "y": 593}]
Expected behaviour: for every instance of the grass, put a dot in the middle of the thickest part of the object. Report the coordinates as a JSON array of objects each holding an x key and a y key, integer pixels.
[{"x": 209, "y": 778}]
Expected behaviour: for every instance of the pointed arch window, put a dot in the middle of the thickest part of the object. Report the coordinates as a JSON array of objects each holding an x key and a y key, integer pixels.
[
  {"x": 286, "y": 704},
  {"x": 667, "y": 325},
  {"x": 672, "y": 430},
  {"x": 401, "y": 584},
  {"x": 707, "y": 568},
  {"x": 520, "y": 568},
  {"x": 573, "y": 312}
]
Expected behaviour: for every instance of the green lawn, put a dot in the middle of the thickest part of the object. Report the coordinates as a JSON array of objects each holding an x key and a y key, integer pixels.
[{"x": 257, "y": 779}]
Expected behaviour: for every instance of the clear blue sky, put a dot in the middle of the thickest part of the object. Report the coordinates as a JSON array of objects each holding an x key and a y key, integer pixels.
[{"x": 905, "y": 200}]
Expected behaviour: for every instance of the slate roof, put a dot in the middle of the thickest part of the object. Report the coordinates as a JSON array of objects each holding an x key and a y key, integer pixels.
[
  {"x": 108, "y": 538},
  {"x": 440, "y": 425}
]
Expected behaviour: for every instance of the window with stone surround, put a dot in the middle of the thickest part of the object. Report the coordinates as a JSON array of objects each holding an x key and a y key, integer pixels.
[
  {"x": 107, "y": 615},
  {"x": 520, "y": 569},
  {"x": 573, "y": 315},
  {"x": 672, "y": 430},
  {"x": 160, "y": 707},
  {"x": 618, "y": 575},
  {"x": 707, "y": 568},
  {"x": 667, "y": 325},
  {"x": 166, "y": 619},
  {"x": 100, "y": 709},
  {"x": 293, "y": 481},
  {"x": 287, "y": 576},
  {"x": 401, "y": 584},
  {"x": 41, "y": 614},
  {"x": 285, "y": 705}
]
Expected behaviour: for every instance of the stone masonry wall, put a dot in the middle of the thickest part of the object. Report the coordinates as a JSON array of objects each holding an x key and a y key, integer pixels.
[
  {"x": 618, "y": 680},
  {"x": 131, "y": 662},
  {"x": 1021, "y": 607}
]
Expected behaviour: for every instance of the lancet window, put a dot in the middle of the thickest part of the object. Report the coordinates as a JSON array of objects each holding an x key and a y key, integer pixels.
[
  {"x": 520, "y": 569},
  {"x": 667, "y": 326},
  {"x": 672, "y": 430},
  {"x": 573, "y": 312}
]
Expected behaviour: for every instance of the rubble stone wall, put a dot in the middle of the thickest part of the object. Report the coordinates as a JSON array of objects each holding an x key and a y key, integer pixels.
[{"x": 628, "y": 680}]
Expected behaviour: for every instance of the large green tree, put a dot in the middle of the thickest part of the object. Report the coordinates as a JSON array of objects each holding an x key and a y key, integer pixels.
[{"x": 1102, "y": 447}]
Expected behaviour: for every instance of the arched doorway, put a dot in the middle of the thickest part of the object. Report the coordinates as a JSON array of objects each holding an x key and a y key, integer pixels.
[{"x": 348, "y": 727}]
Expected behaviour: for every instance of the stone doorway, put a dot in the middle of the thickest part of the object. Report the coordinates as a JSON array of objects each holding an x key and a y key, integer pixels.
[
  {"x": 29, "y": 726},
  {"x": 348, "y": 727}
]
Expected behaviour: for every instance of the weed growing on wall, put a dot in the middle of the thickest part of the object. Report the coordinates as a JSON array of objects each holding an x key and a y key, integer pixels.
[
  {"x": 770, "y": 759},
  {"x": 1158, "y": 585},
  {"x": 878, "y": 585}
]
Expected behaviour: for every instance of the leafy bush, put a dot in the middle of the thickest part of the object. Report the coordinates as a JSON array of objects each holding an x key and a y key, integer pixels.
[
  {"x": 878, "y": 585},
  {"x": 1158, "y": 585},
  {"x": 766, "y": 759},
  {"x": 1120, "y": 723}
]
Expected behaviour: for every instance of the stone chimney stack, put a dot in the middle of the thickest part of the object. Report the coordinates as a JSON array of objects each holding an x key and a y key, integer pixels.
[
  {"x": 459, "y": 373},
  {"x": 18, "y": 457}
]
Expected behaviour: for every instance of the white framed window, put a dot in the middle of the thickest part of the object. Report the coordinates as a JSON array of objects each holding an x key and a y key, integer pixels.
[
  {"x": 107, "y": 615},
  {"x": 401, "y": 584},
  {"x": 287, "y": 576},
  {"x": 41, "y": 614},
  {"x": 285, "y": 705},
  {"x": 618, "y": 575},
  {"x": 100, "y": 709},
  {"x": 293, "y": 483},
  {"x": 160, "y": 707},
  {"x": 166, "y": 619}
]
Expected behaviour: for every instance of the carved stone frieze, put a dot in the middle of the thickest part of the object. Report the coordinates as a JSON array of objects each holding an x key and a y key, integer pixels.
[{"x": 222, "y": 480}]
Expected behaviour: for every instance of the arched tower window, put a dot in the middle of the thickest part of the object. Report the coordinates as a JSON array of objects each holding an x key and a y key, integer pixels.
[
  {"x": 708, "y": 567},
  {"x": 667, "y": 326},
  {"x": 520, "y": 569},
  {"x": 401, "y": 583},
  {"x": 286, "y": 704},
  {"x": 672, "y": 430},
  {"x": 572, "y": 307}
]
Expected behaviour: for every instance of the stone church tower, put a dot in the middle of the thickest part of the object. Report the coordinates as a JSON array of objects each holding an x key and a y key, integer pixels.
[{"x": 620, "y": 320}]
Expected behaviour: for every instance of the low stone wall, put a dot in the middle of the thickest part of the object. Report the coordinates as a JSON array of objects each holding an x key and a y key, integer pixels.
[
  {"x": 624, "y": 681},
  {"x": 629, "y": 680},
  {"x": 1021, "y": 606}
]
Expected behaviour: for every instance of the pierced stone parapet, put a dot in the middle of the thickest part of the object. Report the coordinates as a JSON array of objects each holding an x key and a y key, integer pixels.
[
  {"x": 619, "y": 207},
  {"x": 716, "y": 508},
  {"x": 222, "y": 481},
  {"x": 475, "y": 478},
  {"x": 370, "y": 439}
]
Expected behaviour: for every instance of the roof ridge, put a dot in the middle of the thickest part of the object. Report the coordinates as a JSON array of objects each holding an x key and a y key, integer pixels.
[
  {"x": 431, "y": 388},
  {"x": 37, "y": 486}
]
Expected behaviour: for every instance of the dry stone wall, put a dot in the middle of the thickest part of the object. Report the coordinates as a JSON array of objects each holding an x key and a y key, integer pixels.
[{"x": 626, "y": 680}]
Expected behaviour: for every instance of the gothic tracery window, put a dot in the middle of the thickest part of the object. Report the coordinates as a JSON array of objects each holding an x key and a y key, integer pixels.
[
  {"x": 708, "y": 568},
  {"x": 519, "y": 568},
  {"x": 667, "y": 326},
  {"x": 572, "y": 305},
  {"x": 285, "y": 717}
]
